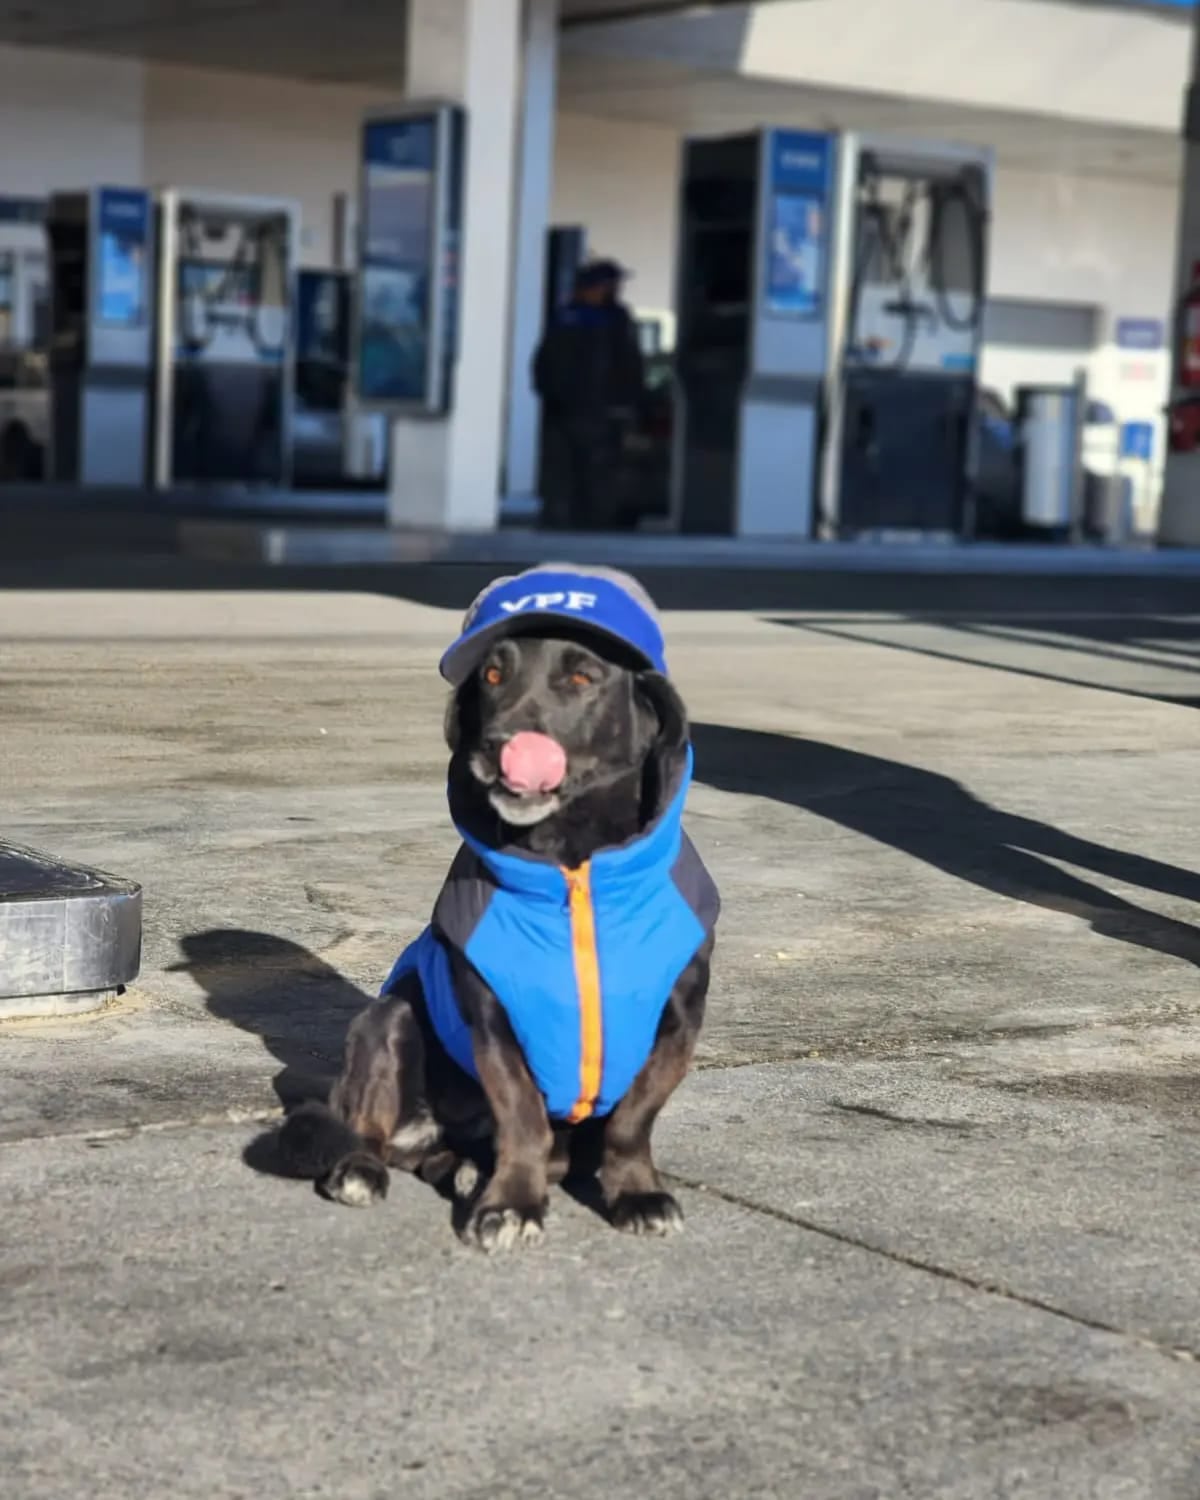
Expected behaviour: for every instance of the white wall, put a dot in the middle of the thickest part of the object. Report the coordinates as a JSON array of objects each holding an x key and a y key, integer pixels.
[
  {"x": 67, "y": 121},
  {"x": 1084, "y": 239},
  {"x": 620, "y": 181},
  {"x": 1107, "y": 243}
]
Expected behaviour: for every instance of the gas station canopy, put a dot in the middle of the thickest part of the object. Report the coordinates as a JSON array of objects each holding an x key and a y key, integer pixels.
[{"x": 353, "y": 42}]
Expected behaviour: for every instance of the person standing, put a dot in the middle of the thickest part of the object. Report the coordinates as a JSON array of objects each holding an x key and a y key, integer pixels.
[{"x": 589, "y": 375}]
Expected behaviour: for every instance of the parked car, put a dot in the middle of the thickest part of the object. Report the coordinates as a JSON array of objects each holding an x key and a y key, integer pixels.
[{"x": 24, "y": 414}]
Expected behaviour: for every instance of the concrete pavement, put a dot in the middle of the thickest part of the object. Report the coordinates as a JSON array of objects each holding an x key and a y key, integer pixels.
[{"x": 938, "y": 1162}]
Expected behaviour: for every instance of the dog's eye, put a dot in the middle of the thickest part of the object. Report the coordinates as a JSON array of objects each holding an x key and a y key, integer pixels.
[
  {"x": 580, "y": 680},
  {"x": 493, "y": 676}
]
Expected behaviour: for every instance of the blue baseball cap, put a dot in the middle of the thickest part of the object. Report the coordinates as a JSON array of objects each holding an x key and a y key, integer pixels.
[{"x": 595, "y": 601}]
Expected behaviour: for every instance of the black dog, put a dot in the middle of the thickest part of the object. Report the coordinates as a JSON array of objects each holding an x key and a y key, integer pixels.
[{"x": 555, "y": 1001}]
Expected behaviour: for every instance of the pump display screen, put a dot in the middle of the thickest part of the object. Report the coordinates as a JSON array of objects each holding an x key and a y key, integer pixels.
[
  {"x": 796, "y": 254},
  {"x": 797, "y": 232},
  {"x": 322, "y": 334},
  {"x": 123, "y": 244},
  {"x": 399, "y": 159},
  {"x": 322, "y": 339}
]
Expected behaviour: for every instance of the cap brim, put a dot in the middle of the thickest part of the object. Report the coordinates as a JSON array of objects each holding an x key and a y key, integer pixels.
[{"x": 469, "y": 650}]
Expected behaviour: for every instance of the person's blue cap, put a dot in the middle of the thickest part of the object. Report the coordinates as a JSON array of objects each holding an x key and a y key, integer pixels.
[{"x": 601, "y": 602}]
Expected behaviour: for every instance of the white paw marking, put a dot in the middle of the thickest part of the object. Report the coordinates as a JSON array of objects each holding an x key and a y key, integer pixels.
[
  {"x": 531, "y": 1231},
  {"x": 659, "y": 1216},
  {"x": 421, "y": 1134},
  {"x": 355, "y": 1191},
  {"x": 466, "y": 1180},
  {"x": 504, "y": 1231}
]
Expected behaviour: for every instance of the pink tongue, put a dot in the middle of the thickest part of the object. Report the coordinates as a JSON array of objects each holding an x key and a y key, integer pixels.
[{"x": 533, "y": 763}]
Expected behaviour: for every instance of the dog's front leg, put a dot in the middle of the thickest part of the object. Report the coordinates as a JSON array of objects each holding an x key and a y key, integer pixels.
[
  {"x": 636, "y": 1200},
  {"x": 512, "y": 1207}
]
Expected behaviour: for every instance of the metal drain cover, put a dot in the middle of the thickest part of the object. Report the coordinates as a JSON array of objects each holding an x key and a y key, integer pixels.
[{"x": 69, "y": 937}]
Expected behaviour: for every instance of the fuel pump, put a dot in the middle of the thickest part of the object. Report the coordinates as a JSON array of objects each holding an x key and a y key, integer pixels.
[
  {"x": 225, "y": 375},
  {"x": 102, "y": 258},
  {"x": 333, "y": 444},
  {"x": 24, "y": 299},
  {"x": 900, "y": 452},
  {"x": 830, "y": 298},
  {"x": 24, "y": 274}
]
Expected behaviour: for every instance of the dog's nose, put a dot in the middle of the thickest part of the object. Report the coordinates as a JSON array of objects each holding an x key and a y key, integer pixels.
[{"x": 531, "y": 763}]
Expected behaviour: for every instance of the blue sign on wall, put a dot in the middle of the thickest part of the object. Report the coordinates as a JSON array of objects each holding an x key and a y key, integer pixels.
[
  {"x": 1137, "y": 440},
  {"x": 797, "y": 224},
  {"x": 1141, "y": 333},
  {"x": 123, "y": 220}
]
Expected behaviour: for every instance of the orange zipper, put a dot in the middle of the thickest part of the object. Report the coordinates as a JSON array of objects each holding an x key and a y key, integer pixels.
[{"x": 587, "y": 981}]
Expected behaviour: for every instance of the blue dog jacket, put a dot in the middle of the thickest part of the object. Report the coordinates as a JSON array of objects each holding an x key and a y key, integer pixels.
[{"x": 583, "y": 961}]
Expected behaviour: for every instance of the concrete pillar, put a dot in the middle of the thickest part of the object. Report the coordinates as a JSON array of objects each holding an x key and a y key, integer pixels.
[
  {"x": 445, "y": 473},
  {"x": 536, "y": 176},
  {"x": 1179, "y": 517}
]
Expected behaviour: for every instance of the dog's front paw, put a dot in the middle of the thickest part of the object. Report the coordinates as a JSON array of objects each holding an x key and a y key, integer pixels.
[
  {"x": 498, "y": 1226},
  {"x": 646, "y": 1213},
  {"x": 358, "y": 1181}
]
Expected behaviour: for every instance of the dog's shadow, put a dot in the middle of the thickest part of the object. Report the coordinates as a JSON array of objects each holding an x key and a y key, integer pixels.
[{"x": 295, "y": 1003}]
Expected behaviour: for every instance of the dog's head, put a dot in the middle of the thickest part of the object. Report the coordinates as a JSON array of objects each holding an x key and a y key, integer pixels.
[{"x": 553, "y": 713}]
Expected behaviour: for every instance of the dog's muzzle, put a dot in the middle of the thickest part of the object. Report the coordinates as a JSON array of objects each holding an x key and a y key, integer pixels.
[{"x": 524, "y": 778}]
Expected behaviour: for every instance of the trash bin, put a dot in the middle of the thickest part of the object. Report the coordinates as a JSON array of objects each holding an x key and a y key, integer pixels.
[
  {"x": 1108, "y": 507},
  {"x": 1049, "y": 427}
]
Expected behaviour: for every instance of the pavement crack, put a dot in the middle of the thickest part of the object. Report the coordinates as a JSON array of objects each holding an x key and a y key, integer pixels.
[
  {"x": 981, "y": 1284},
  {"x": 98, "y": 1134},
  {"x": 887, "y": 1117}
]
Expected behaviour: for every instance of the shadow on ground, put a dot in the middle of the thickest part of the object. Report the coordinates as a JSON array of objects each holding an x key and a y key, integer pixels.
[
  {"x": 936, "y": 820},
  {"x": 298, "y": 1006},
  {"x": 296, "y": 1003},
  {"x": 1070, "y": 649}
]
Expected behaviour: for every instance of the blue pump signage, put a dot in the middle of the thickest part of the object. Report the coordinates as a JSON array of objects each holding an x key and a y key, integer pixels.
[
  {"x": 122, "y": 272},
  {"x": 397, "y": 260},
  {"x": 797, "y": 230},
  {"x": 406, "y": 309}
]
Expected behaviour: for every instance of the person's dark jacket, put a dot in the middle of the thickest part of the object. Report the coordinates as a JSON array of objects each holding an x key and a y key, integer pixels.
[{"x": 589, "y": 364}]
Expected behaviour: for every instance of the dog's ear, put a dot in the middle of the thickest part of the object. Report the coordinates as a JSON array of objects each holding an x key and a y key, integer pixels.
[
  {"x": 462, "y": 711},
  {"x": 671, "y": 720},
  {"x": 665, "y": 724}
]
